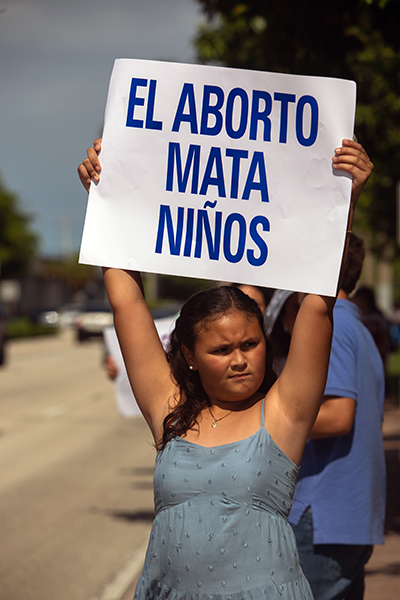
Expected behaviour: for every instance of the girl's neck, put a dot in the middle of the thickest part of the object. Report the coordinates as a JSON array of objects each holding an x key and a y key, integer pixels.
[{"x": 219, "y": 406}]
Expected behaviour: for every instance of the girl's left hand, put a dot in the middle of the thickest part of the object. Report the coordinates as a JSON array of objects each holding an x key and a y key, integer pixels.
[{"x": 352, "y": 158}]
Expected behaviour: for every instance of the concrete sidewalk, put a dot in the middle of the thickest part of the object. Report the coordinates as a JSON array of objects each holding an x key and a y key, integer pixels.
[{"x": 383, "y": 569}]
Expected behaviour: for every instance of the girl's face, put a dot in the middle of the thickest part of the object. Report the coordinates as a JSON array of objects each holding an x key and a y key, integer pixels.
[{"x": 229, "y": 355}]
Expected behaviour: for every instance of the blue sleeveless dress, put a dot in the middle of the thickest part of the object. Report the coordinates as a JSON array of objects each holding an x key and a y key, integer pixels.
[{"x": 221, "y": 529}]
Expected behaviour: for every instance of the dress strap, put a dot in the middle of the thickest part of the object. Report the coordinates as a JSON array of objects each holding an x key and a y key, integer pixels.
[{"x": 262, "y": 413}]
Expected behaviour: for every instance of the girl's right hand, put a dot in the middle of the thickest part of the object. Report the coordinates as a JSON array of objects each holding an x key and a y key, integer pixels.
[{"x": 90, "y": 168}]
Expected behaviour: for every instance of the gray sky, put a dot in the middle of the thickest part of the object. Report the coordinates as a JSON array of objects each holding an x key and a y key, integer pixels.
[{"x": 56, "y": 58}]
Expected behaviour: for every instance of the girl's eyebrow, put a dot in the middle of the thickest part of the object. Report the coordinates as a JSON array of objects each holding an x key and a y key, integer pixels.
[{"x": 226, "y": 344}]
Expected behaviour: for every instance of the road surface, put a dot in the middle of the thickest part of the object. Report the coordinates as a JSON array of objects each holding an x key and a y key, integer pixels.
[{"x": 76, "y": 479}]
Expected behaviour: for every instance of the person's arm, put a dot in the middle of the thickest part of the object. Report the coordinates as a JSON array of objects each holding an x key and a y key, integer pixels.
[
  {"x": 294, "y": 401},
  {"x": 335, "y": 418},
  {"x": 352, "y": 159},
  {"x": 111, "y": 367},
  {"x": 144, "y": 357}
]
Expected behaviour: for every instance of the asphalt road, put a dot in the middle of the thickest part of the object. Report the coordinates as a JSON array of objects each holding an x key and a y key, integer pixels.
[{"x": 76, "y": 479}]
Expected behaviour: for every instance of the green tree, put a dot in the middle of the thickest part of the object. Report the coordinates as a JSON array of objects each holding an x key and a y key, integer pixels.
[
  {"x": 18, "y": 243},
  {"x": 75, "y": 275},
  {"x": 351, "y": 39}
]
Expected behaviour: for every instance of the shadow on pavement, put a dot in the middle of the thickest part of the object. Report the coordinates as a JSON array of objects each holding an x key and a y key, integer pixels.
[
  {"x": 132, "y": 516},
  {"x": 389, "y": 569}
]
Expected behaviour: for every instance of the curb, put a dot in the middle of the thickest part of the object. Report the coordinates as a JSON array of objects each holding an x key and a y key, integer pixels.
[{"x": 126, "y": 576}]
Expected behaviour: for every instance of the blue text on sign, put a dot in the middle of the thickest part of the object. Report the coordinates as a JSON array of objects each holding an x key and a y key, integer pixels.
[
  {"x": 214, "y": 172},
  {"x": 213, "y": 119},
  {"x": 230, "y": 235}
]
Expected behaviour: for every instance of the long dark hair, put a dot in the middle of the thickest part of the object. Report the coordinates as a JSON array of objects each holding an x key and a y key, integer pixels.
[
  {"x": 354, "y": 263},
  {"x": 196, "y": 313}
]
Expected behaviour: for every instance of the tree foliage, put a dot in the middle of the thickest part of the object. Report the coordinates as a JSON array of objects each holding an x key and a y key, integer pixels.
[
  {"x": 351, "y": 39},
  {"x": 18, "y": 243},
  {"x": 75, "y": 275}
]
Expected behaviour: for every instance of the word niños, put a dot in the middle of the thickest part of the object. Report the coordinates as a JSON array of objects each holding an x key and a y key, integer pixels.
[{"x": 186, "y": 236}]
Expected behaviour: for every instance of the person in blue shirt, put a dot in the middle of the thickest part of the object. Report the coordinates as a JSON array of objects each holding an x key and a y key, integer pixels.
[{"x": 339, "y": 503}]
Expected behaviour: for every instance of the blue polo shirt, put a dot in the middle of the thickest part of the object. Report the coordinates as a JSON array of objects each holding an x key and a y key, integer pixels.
[{"x": 343, "y": 479}]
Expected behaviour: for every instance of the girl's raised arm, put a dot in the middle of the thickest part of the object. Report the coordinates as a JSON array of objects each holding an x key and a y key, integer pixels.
[
  {"x": 294, "y": 401},
  {"x": 143, "y": 353},
  {"x": 144, "y": 356}
]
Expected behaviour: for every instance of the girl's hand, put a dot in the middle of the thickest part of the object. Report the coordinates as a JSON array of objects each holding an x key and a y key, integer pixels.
[
  {"x": 353, "y": 159},
  {"x": 90, "y": 168}
]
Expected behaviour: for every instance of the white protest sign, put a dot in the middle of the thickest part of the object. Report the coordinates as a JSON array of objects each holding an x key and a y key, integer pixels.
[
  {"x": 126, "y": 401},
  {"x": 222, "y": 174}
]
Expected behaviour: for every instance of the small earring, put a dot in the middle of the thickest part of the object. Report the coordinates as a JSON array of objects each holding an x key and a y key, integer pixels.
[{"x": 191, "y": 367}]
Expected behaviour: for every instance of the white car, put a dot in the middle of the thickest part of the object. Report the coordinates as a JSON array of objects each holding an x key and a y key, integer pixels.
[
  {"x": 91, "y": 321},
  {"x": 67, "y": 314}
]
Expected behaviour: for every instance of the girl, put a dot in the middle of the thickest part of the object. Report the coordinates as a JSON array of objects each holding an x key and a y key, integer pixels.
[{"x": 229, "y": 434}]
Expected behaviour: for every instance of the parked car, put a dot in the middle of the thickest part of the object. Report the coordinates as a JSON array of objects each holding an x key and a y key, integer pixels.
[
  {"x": 45, "y": 316},
  {"x": 91, "y": 321},
  {"x": 68, "y": 312}
]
